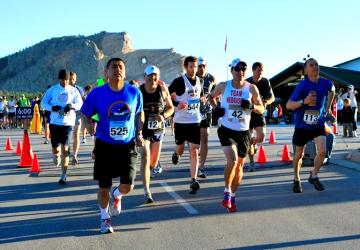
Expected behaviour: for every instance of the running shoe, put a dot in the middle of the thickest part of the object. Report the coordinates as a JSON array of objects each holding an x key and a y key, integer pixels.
[
  {"x": 297, "y": 187},
  {"x": 158, "y": 169},
  {"x": 46, "y": 141},
  {"x": 201, "y": 173},
  {"x": 194, "y": 186},
  {"x": 74, "y": 160},
  {"x": 62, "y": 180},
  {"x": 226, "y": 202},
  {"x": 83, "y": 140},
  {"x": 317, "y": 185},
  {"x": 175, "y": 158},
  {"x": 105, "y": 226},
  {"x": 233, "y": 207},
  {"x": 57, "y": 160},
  {"x": 148, "y": 198},
  {"x": 115, "y": 204},
  {"x": 250, "y": 167}
]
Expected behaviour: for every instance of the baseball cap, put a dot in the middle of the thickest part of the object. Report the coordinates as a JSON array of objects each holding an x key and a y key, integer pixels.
[
  {"x": 201, "y": 61},
  {"x": 235, "y": 62},
  {"x": 151, "y": 69},
  {"x": 351, "y": 87},
  {"x": 64, "y": 74}
]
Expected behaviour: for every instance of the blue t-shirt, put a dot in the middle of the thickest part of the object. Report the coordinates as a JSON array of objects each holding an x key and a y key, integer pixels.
[
  {"x": 117, "y": 111},
  {"x": 309, "y": 117}
]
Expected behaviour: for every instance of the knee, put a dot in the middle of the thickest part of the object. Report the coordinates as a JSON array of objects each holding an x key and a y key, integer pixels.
[{"x": 126, "y": 188}]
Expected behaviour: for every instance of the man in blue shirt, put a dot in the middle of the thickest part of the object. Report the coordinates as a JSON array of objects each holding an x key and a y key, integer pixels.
[
  {"x": 119, "y": 106},
  {"x": 311, "y": 102}
]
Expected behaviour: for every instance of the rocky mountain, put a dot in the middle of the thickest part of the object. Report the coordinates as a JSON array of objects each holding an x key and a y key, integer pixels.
[{"x": 34, "y": 68}]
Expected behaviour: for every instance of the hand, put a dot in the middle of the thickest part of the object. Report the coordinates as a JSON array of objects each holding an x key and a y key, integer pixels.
[
  {"x": 67, "y": 108},
  {"x": 139, "y": 141},
  {"x": 56, "y": 108},
  {"x": 219, "y": 112},
  {"x": 182, "y": 105},
  {"x": 203, "y": 99},
  {"x": 160, "y": 118},
  {"x": 310, "y": 99},
  {"x": 246, "y": 104}
]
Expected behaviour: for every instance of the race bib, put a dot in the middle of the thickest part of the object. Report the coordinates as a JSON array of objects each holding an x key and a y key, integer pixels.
[
  {"x": 154, "y": 124},
  {"x": 193, "y": 105},
  {"x": 311, "y": 117},
  {"x": 235, "y": 112},
  {"x": 118, "y": 130}
]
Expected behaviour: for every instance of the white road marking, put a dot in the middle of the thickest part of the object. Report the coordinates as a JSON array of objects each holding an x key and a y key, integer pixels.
[{"x": 190, "y": 209}]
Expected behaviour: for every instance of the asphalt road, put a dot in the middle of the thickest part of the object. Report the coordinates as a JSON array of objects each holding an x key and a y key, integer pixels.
[{"x": 37, "y": 213}]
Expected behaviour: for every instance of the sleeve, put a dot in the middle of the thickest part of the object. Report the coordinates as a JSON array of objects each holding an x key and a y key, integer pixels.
[
  {"x": 78, "y": 102},
  {"x": 88, "y": 107},
  {"x": 297, "y": 93},
  {"x": 45, "y": 101},
  {"x": 139, "y": 107}
]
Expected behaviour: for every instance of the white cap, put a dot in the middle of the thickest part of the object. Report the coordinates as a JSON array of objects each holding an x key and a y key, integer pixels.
[
  {"x": 201, "y": 61},
  {"x": 151, "y": 69},
  {"x": 351, "y": 87},
  {"x": 235, "y": 62}
]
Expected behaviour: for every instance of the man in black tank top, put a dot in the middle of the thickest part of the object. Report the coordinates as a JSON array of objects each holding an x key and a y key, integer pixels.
[
  {"x": 208, "y": 84},
  {"x": 257, "y": 121},
  {"x": 156, "y": 99}
]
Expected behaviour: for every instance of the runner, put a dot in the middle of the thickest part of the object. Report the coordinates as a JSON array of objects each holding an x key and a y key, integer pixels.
[
  {"x": 119, "y": 106},
  {"x": 257, "y": 121},
  {"x": 187, "y": 89},
  {"x": 238, "y": 99},
  {"x": 62, "y": 100},
  {"x": 156, "y": 99},
  {"x": 77, "y": 127},
  {"x": 308, "y": 103},
  {"x": 205, "y": 110}
]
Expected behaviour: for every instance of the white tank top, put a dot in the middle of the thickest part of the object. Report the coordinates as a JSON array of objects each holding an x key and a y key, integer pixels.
[
  {"x": 191, "y": 96},
  {"x": 236, "y": 118}
]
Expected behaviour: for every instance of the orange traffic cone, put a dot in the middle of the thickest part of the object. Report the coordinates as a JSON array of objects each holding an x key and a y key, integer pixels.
[
  {"x": 272, "y": 137},
  {"x": 285, "y": 154},
  {"x": 261, "y": 156},
  {"x": 35, "y": 167},
  {"x": 8, "y": 145},
  {"x": 26, "y": 154},
  {"x": 18, "y": 148}
]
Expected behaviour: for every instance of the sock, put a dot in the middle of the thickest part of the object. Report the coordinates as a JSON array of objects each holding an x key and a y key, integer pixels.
[
  {"x": 117, "y": 193},
  {"x": 104, "y": 213},
  {"x": 227, "y": 190}
]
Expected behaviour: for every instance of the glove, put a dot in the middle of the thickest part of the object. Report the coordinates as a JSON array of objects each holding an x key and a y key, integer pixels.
[
  {"x": 67, "y": 107},
  {"x": 56, "y": 108},
  {"x": 219, "y": 112},
  {"x": 246, "y": 104}
]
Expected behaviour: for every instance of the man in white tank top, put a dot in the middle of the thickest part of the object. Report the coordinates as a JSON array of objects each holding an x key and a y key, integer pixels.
[
  {"x": 187, "y": 90},
  {"x": 238, "y": 99}
]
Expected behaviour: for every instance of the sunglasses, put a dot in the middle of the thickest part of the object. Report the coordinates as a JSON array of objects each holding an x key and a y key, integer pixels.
[{"x": 237, "y": 69}]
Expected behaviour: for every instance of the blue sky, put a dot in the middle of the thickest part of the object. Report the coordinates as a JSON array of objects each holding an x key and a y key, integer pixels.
[{"x": 275, "y": 32}]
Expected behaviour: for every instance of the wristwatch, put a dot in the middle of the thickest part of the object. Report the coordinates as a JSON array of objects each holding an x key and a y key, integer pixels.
[{"x": 302, "y": 102}]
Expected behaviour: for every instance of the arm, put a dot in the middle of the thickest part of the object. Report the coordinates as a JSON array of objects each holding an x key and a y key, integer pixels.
[
  {"x": 256, "y": 100},
  {"x": 139, "y": 123},
  {"x": 329, "y": 101},
  {"x": 218, "y": 90},
  {"x": 89, "y": 124},
  {"x": 169, "y": 105},
  {"x": 269, "y": 100}
]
